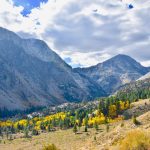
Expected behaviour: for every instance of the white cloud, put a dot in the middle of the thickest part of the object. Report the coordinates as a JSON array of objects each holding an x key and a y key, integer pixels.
[
  {"x": 87, "y": 31},
  {"x": 85, "y": 59},
  {"x": 146, "y": 63}
]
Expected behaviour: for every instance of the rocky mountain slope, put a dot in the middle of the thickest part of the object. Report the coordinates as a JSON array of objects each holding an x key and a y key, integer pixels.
[
  {"x": 137, "y": 108},
  {"x": 146, "y": 76},
  {"x": 114, "y": 72},
  {"x": 135, "y": 90},
  {"x": 34, "y": 75}
]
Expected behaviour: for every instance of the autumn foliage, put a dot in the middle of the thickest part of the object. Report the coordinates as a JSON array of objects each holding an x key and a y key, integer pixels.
[{"x": 108, "y": 112}]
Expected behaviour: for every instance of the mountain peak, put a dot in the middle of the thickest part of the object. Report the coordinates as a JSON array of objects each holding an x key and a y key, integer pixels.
[
  {"x": 122, "y": 60},
  {"x": 35, "y": 47},
  {"x": 114, "y": 72},
  {"x": 122, "y": 57}
]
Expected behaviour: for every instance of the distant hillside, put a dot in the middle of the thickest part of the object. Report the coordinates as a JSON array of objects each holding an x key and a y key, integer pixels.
[
  {"x": 115, "y": 72},
  {"x": 135, "y": 90},
  {"x": 138, "y": 108}
]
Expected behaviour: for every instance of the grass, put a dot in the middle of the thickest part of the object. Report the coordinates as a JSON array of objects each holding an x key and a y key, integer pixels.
[
  {"x": 136, "y": 140},
  {"x": 50, "y": 147},
  {"x": 63, "y": 139}
]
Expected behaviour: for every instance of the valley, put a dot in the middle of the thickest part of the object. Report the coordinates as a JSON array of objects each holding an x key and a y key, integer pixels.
[
  {"x": 74, "y": 75},
  {"x": 34, "y": 75},
  {"x": 100, "y": 139},
  {"x": 45, "y": 104}
]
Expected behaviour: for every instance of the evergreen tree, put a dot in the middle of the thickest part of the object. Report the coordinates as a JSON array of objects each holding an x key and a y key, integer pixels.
[
  {"x": 135, "y": 121},
  {"x": 12, "y": 129},
  {"x": 67, "y": 122},
  {"x": 49, "y": 128},
  {"x": 107, "y": 127},
  {"x": 80, "y": 123},
  {"x": 60, "y": 124},
  {"x": 100, "y": 106},
  {"x": 7, "y": 133},
  {"x": 26, "y": 133},
  {"x": 1, "y": 131},
  {"x": 54, "y": 122},
  {"x": 86, "y": 129},
  {"x": 35, "y": 132},
  {"x": 42, "y": 126},
  {"x": 75, "y": 128},
  {"x": 96, "y": 126}
]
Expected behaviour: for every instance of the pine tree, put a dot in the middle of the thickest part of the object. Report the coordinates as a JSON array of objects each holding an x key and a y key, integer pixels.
[
  {"x": 75, "y": 128},
  {"x": 42, "y": 126},
  {"x": 67, "y": 122},
  {"x": 86, "y": 129},
  {"x": 26, "y": 133},
  {"x": 100, "y": 106},
  {"x": 80, "y": 123},
  {"x": 107, "y": 127},
  {"x": 7, "y": 133},
  {"x": 49, "y": 128},
  {"x": 12, "y": 129},
  {"x": 1, "y": 131},
  {"x": 54, "y": 122},
  {"x": 106, "y": 120},
  {"x": 96, "y": 126},
  {"x": 19, "y": 127},
  {"x": 61, "y": 124},
  {"x": 35, "y": 132},
  {"x": 135, "y": 121}
]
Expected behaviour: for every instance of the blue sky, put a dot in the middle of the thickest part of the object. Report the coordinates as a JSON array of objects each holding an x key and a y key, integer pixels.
[
  {"x": 28, "y": 5},
  {"x": 84, "y": 32}
]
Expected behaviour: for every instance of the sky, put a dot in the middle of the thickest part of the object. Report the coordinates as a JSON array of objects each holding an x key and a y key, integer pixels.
[{"x": 84, "y": 32}]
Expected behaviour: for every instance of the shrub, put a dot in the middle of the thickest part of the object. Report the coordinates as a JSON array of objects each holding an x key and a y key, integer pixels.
[
  {"x": 122, "y": 124},
  {"x": 96, "y": 126},
  {"x": 35, "y": 132},
  {"x": 86, "y": 129},
  {"x": 135, "y": 121},
  {"x": 107, "y": 127},
  {"x": 136, "y": 140},
  {"x": 50, "y": 147},
  {"x": 75, "y": 128},
  {"x": 26, "y": 133}
]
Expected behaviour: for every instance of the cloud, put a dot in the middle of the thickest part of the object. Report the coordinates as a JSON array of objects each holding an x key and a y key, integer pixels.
[{"x": 86, "y": 32}]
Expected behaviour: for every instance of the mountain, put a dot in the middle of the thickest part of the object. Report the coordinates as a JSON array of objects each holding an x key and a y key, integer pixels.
[
  {"x": 113, "y": 73},
  {"x": 135, "y": 90},
  {"x": 34, "y": 75}
]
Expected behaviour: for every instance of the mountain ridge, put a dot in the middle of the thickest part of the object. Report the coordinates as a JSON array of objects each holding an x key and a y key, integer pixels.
[
  {"x": 114, "y": 72},
  {"x": 49, "y": 79},
  {"x": 34, "y": 75}
]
